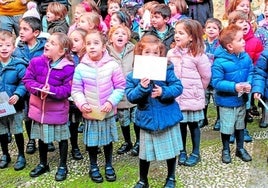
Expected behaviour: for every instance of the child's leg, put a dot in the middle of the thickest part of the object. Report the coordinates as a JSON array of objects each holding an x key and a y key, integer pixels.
[
  {"x": 240, "y": 151},
  {"x": 21, "y": 161},
  {"x": 184, "y": 135},
  {"x": 136, "y": 147},
  {"x": 171, "y": 165},
  {"x": 94, "y": 171},
  {"x": 5, "y": 159},
  {"x": 109, "y": 170},
  {"x": 76, "y": 154},
  {"x": 195, "y": 136},
  {"x": 31, "y": 146},
  {"x": 127, "y": 145},
  {"x": 217, "y": 125},
  {"x": 62, "y": 169},
  {"x": 226, "y": 157},
  {"x": 144, "y": 169}
]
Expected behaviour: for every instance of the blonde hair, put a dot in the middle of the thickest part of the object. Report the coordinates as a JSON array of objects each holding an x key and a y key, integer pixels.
[
  {"x": 94, "y": 18},
  {"x": 57, "y": 9},
  {"x": 5, "y": 35},
  {"x": 237, "y": 15}
]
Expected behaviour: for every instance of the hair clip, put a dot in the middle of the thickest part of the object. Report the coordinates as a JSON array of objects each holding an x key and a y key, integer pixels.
[{"x": 86, "y": 6}]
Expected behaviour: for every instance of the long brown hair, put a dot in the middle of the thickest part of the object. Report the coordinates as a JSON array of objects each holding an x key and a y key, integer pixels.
[{"x": 65, "y": 43}]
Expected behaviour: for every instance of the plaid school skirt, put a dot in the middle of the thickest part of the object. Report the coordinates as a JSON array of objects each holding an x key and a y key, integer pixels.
[
  {"x": 162, "y": 145},
  {"x": 100, "y": 133},
  {"x": 50, "y": 133},
  {"x": 192, "y": 116},
  {"x": 13, "y": 122}
]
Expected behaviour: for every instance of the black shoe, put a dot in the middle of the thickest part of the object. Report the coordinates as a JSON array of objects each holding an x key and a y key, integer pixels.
[
  {"x": 243, "y": 154},
  {"x": 39, "y": 170},
  {"x": 249, "y": 117},
  {"x": 61, "y": 174},
  {"x": 20, "y": 163},
  {"x": 170, "y": 183},
  {"x": 80, "y": 129},
  {"x": 110, "y": 174},
  {"x": 125, "y": 147},
  {"x": 76, "y": 154},
  {"x": 9, "y": 137},
  {"x": 217, "y": 125},
  {"x": 95, "y": 175},
  {"x": 50, "y": 147},
  {"x": 226, "y": 157},
  {"x": 135, "y": 150},
  {"x": 262, "y": 124},
  {"x": 5, "y": 159},
  {"x": 202, "y": 123},
  {"x": 99, "y": 150},
  {"x": 254, "y": 111},
  {"x": 31, "y": 148},
  {"x": 141, "y": 184}
]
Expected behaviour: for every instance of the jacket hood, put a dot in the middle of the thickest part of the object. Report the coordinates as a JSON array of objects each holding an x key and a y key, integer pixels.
[
  {"x": 128, "y": 48},
  {"x": 17, "y": 60},
  {"x": 105, "y": 58},
  {"x": 62, "y": 63}
]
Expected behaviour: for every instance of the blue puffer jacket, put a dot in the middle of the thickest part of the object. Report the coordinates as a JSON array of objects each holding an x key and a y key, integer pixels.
[
  {"x": 260, "y": 78},
  {"x": 23, "y": 51},
  {"x": 11, "y": 80},
  {"x": 156, "y": 114},
  {"x": 228, "y": 70}
]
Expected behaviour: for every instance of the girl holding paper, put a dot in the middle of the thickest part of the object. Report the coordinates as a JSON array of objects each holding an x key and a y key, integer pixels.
[
  {"x": 97, "y": 88},
  {"x": 158, "y": 114}
]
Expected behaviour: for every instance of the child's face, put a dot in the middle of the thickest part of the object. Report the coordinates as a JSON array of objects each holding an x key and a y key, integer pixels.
[
  {"x": 77, "y": 13},
  {"x": 212, "y": 31},
  {"x": 151, "y": 50},
  {"x": 182, "y": 38},
  {"x": 244, "y": 6},
  {"x": 113, "y": 7},
  {"x": 158, "y": 22},
  {"x": 114, "y": 20},
  {"x": 27, "y": 34},
  {"x": 85, "y": 24},
  {"x": 51, "y": 17},
  {"x": 6, "y": 49},
  {"x": 119, "y": 38},
  {"x": 173, "y": 9},
  {"x": 52, "y": 49},
  {"x": 94, "y": 46},
  {"x": 244, "y": 25},
  {"x": 238, "y": 44},
  {"x": 78, "y": 42}
]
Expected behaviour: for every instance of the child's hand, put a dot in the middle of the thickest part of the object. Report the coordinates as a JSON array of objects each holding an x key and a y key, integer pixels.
[
  {"x": 107, "y": 107},
  {"x": 257, "y": 95},
  {"x": 157, "y": 91},
  {"x": 247, "y": 88},
  {"x": 13, "y": 99},
  {"x": 86, "y": 108},
  {"x": 44, "y": 94},
  {"x": 239, "y": 88},
  {"x": 145, "y": 82}
]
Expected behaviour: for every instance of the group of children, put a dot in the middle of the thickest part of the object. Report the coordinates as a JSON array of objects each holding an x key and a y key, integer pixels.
[{"x": 85, "y": 73}]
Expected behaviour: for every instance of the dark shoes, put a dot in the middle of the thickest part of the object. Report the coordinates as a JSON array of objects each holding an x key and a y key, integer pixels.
[
  {"x": 95, "y": 175},
  {"x": 76, "y": 154},
  {"x": 125, "y": 147},
  {"x": 110, "y": 174},
  {"x": 141, "y": 184},
  {"x": 263, "y": 124},
  {"x": 50, "y": 147},
  {"x": 254, "y": 111},
  {"x": 226, "y": 157},
  {"x": 202, "y": 123},
  {"x": 39, "y": 170},
  {"x": 20, "y": 163},
  {"x": 247, "y": 137},
  {"x": 243, "y": 154},
  {"x": 9, "y": 137},
  {"x": 31, "y": 147},
  {"x": 249, "y": 116},
  {"x": 5, "y": 159},
  {"x": 80, "y": 129},
  {"x": 217, "y": 125},
  {"x": 135, "y": 149},
  {"x": 61, "y": 174},
  {"x": 192, "y": 160},
  {"x": 170, "y": 183},
  {"x": 182, "y": 158}
]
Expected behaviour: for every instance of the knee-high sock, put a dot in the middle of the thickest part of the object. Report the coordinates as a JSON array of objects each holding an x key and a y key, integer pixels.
[
  {"x": 108, "y": 153},
  {"x": 225, "y": 139},
  {"x": 171, "y": 165},
  {"x": 195, "y": 136},
  {"x": 63, "y": 146},
  {"x": 144, "y": 169},
  {"x": 42, "y": 152},
  {"x": 184, "y": 134},
  {"x": 93, "y": 152},
  {"x": 239, "y": 135},
  {"x": 126, "y": 133},
  {"x": 20, "y": 143},
  {"x": 74, "y": 134},
  {"x": 137, "y": 132},
  {"x": 4, "y": 143},
  {"x": 28, "y": 126}
]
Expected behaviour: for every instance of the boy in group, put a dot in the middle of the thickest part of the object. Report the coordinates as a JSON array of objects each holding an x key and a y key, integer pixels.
[
  {"x": 29, "y": 46},
  {"x": 232, "y": 73},
  {"x": 160, "y": 16},
  {"x": 253, "y": 47}
]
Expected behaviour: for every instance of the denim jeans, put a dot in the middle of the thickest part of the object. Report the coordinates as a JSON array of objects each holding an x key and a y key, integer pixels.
[{"x": 10, "y": 23}]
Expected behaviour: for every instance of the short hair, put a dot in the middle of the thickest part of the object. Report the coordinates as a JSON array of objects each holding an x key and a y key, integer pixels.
[
  {"x": 237, "y": 15},
  {"x": 215, "y": 21},
  {"x": 4, "y": 35},
  {"x": 149, "y": 40},
  {"x": 113, "y": 29},
  {"x": 180, "y": 5},
  {"x": 57, "y": 9},
  {"x": 33, "y": 22},
  {"x": 163, "y": 10},
  {"x": 228, "y": 34}
]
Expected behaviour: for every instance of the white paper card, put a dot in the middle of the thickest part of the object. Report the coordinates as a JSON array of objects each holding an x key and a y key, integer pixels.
[
  {"x": 5, "y": 108},
  {"x": 152, "y": 67}
]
